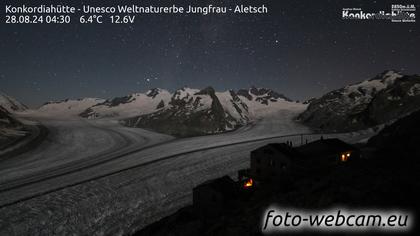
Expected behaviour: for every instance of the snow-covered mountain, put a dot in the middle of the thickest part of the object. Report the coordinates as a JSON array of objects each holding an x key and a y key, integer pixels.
[
  {"x": 11, "y": 104},
  {"x": 234, "y": 103},
  {"x": 262, "y": 95},
  {"x": 132, "y": 105},
  {"x": 184, "y": 112},
  {"x": 263, "y": 102},
  {"x": 385, "y": 97},
  {"x": 234, "y": 106},
  {"x": 192, "y": 112},
  {"x": 69, "y": 107}
]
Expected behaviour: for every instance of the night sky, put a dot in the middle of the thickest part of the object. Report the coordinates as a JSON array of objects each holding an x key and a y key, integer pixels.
[{"x": 300, "y": 48}]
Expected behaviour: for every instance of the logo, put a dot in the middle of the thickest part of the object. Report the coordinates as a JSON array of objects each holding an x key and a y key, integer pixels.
[{"x": 398, "y": 13}]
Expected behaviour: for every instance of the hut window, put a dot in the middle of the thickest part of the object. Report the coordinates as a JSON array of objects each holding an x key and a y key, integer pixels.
[
  {"x": 248, "y": 183},
  {"x": 345, "y": 156},
  {"x": 258, "y": 160}
]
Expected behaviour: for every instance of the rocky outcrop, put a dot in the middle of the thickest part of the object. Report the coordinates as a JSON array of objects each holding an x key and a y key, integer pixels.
[
  {"x": 388, "y": 96},
  {"x": 10, "y": 104}
]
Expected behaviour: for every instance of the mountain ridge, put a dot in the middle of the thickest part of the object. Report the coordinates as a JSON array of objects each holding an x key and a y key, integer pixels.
[
  {"x": 192, "y": 112},
  {"x": 387, "y": 96}
]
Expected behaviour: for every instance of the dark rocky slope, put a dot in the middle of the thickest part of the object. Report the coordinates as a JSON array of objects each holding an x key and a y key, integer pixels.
[{"x": 386, "y": 97}]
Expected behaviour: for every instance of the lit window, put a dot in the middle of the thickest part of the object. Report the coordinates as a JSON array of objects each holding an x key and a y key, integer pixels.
[
  {"x": 345, "y": 157},
  {"x": 249, "y": 183}
]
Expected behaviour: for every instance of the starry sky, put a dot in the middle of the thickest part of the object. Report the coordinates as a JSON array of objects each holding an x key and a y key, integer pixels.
[{"x": 300, "y": 48}]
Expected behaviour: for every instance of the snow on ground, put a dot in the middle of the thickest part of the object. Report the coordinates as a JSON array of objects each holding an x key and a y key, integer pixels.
[
  {"x": 375, "y": 85},
  {"x": 258, "y": 110},
  {"x": 128, "y": 200},
  {"x": 228, "y": 104},
  {"x": 11, "y": 132},
  {"x": 67, "y": 107},
  {"x": 160, "y": 183},
  {"x": 72, "y": 139}
]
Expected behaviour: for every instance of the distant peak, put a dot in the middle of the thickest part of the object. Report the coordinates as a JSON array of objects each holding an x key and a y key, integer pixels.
[
  {"x": 388, "y": 73},
  {"x": 153, "y": 92},
  {"x": 184, "y": 88},
  {"x": 387, "y": 77},
  {"x": 259, "y": 91},
  {"x": 187, "y": 90},
  {"x": 207, "y": 91}
]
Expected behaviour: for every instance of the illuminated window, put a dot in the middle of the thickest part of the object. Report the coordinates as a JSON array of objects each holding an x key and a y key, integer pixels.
[
  {"x": 345, "y": 157},
  {"x": 249, "y": 183}
]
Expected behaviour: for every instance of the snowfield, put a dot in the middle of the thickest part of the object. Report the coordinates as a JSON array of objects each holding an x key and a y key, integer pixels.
[
  {"x": 68, "y": 107},
  {"x": 129, "y": 106},
  {"x": 96, "y": 177}
]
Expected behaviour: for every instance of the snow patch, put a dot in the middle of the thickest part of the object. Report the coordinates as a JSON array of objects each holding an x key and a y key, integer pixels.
[
  {"x": 68, "y": 107},
  {"x": 414, "y": 90},
  {"x": 137, "y": 104}
]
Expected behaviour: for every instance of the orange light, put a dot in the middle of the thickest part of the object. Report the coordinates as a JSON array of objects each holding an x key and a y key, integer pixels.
[
  {"x": 345, "y": 156},
  {"x": 248, "y": 183}
]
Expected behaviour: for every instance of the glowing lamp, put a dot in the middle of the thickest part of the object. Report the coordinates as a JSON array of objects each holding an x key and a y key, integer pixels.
[
  {"x": 345, "y": 157},
  {"x": 249, "y": 183}
]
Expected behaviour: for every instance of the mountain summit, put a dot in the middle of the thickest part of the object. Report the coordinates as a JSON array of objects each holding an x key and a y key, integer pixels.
[
  {"x": 387, "y": 96},
  {"x": 130, "y": 105},
  {"x": 191, "y": 112}
]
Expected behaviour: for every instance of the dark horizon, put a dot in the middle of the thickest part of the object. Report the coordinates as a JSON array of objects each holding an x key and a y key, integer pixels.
[{"x": 299, "y": 50}]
